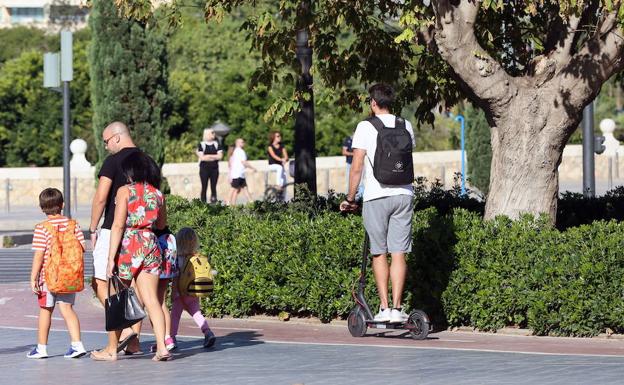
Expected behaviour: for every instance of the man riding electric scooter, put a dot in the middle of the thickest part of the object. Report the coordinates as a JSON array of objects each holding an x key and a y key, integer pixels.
[{"x": 383, "y": 145}]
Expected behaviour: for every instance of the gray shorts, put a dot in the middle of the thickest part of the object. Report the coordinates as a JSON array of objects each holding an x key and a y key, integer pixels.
[
  {"x": 48, "y": 299},
  {"x": 388, "y": 222}
]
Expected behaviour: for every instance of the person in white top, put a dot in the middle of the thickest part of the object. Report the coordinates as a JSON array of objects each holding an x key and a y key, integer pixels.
[
  {"x": 387, "y": 210},
  {"x": 238, "y": 163}
]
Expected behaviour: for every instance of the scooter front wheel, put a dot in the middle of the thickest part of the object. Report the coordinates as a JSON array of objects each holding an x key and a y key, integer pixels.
[{"x": 357, "y": 322}]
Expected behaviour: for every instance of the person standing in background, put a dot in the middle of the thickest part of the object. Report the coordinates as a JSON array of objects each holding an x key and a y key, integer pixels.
[{"x": 209, "y": 153}]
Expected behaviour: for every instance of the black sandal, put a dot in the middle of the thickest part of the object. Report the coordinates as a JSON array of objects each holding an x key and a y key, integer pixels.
[{"x": 123, "y": 343}]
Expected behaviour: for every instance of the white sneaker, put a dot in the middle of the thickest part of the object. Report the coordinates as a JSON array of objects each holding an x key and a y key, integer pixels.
[
  {"x": 75, "y": 353},
  {"x": 383, "y": 315},
  {"x": 397, "y": 315},
  {"x": 35, "y": 353}
]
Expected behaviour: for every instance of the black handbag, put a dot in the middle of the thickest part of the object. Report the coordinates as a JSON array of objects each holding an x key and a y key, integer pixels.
[{"x": 123, "y": 309}]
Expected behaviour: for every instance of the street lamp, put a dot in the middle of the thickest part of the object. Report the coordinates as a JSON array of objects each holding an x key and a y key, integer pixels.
[
  {"x": 462, "y": 121},
  {"x": 305, "y": 145},
  {"x": 221, "y": 130},
  {"x": 56, "y": 70}
]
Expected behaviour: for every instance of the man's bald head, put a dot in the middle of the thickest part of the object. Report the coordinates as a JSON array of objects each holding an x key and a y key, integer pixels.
[
  {"x": 116, "y": 128},
  {"x": 116, "y": 136}
]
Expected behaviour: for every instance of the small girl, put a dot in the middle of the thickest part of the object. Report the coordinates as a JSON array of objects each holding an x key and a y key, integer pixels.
[{"x": 188, "y": 245}]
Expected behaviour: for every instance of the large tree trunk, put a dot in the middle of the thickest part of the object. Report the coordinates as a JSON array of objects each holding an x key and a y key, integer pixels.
[
  {"x": 531, "y": 116},
  {"x": 527, "y": 144}
]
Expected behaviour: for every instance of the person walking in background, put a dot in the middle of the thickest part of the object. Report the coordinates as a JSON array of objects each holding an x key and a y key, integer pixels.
[
  {"x": 209, "y": 153},
  {"x": 140, "y": 208},
  {"x": 118, "y": 142},
  {"x": 188, "y": 245},
  {"x": 238, "y": 163},
  {"x": 278, "y": 158},
  {"x": 51, "y": 203}
]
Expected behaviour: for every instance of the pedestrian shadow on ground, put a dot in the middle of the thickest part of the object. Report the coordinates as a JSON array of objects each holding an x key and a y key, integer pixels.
[
  {"x": 190, "y": 347},
  {"x": 16, "y": 349}
]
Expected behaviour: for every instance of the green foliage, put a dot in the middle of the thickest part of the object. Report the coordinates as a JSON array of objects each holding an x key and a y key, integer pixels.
[
  {"x": 575, "y": 210},
  {"x": 31, "y": 130},
  {"x": 304, "y": 257},
  {"x": 528, "y": 274},
  {"x": 478, "y": 148},
  {"x": 18, "y": 40},
  {"x": 128, "y": 66},
  {"x": 212, "y": 65}
]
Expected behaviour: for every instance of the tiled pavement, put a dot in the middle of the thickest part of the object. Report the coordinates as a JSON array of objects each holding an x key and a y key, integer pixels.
[
  {"x": 272, "y": 352},
  {"x": 240, "y": 359}
]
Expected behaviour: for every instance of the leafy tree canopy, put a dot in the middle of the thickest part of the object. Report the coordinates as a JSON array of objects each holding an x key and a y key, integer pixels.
[{"x": 360, "y": 42}]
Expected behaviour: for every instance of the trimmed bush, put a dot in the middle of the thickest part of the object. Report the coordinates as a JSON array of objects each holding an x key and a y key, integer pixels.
[{"x": 304, "y": 258}]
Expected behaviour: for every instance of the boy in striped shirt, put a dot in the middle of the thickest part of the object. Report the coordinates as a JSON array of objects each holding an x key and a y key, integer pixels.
[{"x": 51, "y": 203}]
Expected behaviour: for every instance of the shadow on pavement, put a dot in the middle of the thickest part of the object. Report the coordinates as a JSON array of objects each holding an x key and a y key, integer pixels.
[{"x": 16, "y": 349}]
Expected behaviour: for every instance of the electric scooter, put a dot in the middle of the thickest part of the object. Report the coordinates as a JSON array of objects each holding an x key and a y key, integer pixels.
[{"x": 361, "y": 318}]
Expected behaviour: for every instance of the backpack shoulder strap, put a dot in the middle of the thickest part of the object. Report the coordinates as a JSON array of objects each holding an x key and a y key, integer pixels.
[
  {"x": 376, "y": 122},
  {"x": 71, "y": 226},
  {"x": 48, "y": 226}
]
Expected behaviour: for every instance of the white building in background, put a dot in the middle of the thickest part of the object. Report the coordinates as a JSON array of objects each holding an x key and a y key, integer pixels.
[{"x": 45, "y": 14}]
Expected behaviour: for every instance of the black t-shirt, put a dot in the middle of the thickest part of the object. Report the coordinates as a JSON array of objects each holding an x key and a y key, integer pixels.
[
  {"x": 209, "y": 149},
  {"x": 278, "y": 153},
  {"x": 348, "y": 142},
  {"x": 112, "y": 170}
]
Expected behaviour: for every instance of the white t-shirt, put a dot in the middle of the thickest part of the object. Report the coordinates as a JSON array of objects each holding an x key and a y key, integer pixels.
[
  {"x": 365, "y": 138},
  {"x": 237, "y": 168}
]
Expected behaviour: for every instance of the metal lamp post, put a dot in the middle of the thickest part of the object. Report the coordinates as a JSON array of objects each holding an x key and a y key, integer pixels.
[
  {"x": 462, "y": 122},
  {"x": 56, "y": 69},
  {"x": 589, "y": 177},
  {"x": 305, "y": 144}
]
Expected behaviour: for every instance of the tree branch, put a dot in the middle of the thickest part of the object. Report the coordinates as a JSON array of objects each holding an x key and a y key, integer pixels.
[
  {"x": 457, "y": 44},
  {"x": 601, "y": 57},
  {"x": 564, "y": 49}
]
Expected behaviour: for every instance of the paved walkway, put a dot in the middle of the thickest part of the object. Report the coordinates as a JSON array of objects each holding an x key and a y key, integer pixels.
[{"x": 265, "y": 351}]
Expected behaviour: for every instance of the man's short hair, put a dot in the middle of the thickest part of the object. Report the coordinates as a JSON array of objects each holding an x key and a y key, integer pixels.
[
  {"x": 51, "y": 201},
  {"x": 382, "y": 94}
]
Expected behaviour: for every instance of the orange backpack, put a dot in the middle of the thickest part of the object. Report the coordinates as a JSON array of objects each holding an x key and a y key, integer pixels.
[{"x": 64, "y": 271}]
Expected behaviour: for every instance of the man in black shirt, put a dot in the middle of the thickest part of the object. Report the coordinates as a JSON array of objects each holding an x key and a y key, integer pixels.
[{"x": 119, "y": 144}]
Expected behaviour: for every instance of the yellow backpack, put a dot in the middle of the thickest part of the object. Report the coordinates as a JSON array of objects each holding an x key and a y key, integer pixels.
[
  {"x": 196, "y": 277},
  {"x": 64, "y": 270}
]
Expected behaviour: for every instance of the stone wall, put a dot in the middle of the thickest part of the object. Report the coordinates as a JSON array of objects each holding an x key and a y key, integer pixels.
[{"x": 26, "y": 183}]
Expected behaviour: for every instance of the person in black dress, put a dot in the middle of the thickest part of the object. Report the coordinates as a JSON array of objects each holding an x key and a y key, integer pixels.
[{"x": 209, "y": 153}]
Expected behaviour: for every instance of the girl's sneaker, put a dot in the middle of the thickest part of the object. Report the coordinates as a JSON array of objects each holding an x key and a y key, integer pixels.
[
  {"x": 209, "y": 339},
  {"x": 36, "y": 354},
  {"x": 170, "y": 343}
]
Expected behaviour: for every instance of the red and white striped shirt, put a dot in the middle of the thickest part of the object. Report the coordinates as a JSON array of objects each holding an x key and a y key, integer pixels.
[{"x": 42, "y": 239}]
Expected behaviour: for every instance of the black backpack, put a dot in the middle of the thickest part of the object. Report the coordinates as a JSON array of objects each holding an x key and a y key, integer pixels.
[{"x": 393, "y": 157}]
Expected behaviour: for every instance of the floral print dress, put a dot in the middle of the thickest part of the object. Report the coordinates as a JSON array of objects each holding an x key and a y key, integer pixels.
[{"x": 139, "y": 245}]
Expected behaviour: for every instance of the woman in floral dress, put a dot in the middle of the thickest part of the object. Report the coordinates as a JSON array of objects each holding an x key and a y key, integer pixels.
[{"x": 139, "y": 208}]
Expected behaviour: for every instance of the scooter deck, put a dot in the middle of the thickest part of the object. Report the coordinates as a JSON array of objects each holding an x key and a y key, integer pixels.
[{"x": 385, "y": 324}]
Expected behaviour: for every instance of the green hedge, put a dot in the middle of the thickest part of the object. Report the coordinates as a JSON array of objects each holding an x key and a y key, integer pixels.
[{"x": 303, "y": 258}]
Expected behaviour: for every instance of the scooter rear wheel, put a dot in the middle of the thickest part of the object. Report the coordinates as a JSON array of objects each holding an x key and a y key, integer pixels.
[
  {"x": 357, "y": 322},
  {"x": 418, "y": 323}
]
